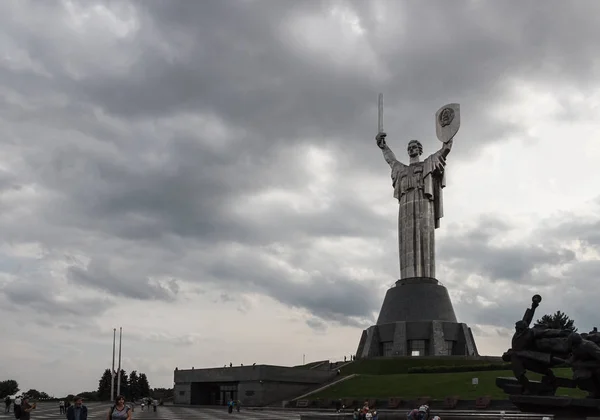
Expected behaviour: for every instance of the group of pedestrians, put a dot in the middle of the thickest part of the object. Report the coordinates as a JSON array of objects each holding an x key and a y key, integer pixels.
[
  {"x": 369, "y": 413},
  {"x": 150, "y": 403},
  {"x": 64, "y": 406},
  {"x": 78, "y": 411},
  {"x": 233, "y": 404},
  {"x": 365, "y": 413},
  {"x": 421, "y": 413},
  {"x": 119, "y": 410},
  {"x": 21, "y": 407}
]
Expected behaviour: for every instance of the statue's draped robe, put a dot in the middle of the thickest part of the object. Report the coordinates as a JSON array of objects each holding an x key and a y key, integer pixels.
[{"x": 418, "y": 188}]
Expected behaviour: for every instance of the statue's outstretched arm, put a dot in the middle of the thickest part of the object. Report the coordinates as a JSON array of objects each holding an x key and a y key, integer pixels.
[
  {"x": 446, "y": 148},
  {"x": 388, "y": 155}
]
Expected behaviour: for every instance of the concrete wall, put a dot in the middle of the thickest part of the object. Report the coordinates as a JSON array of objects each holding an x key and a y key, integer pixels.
[
  {"x": 256, "y": 385},
  {"x": 258, "y": 394},
  {"x": 252, "y": 373},
  {"x": 182, "y": 393}
]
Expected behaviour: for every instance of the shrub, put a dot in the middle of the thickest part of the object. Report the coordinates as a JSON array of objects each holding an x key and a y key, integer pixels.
[{"x": 460, "y": 368}]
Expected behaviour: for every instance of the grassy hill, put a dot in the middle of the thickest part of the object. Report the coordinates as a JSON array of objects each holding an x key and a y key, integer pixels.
[
  {"x": 384, "y": 378},
  {"x": 397, "y": 365},
  {"x": 435, "y": 385}
]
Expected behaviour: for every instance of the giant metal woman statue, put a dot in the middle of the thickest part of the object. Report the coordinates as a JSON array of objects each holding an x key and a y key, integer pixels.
[{"x": 418, "y": 188}]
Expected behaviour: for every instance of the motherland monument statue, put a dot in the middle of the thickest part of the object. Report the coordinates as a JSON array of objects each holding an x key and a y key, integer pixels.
[
  {"x": 418, "y": 188},
  {"x": 417, "y": 317}
]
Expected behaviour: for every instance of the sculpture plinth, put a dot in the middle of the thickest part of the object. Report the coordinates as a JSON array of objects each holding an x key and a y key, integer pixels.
[{"x": 417, "y": 317}]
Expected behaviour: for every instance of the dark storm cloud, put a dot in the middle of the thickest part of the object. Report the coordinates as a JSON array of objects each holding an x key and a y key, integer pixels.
[
  {"x": 518, "y": 271},
  {"x": 98, "y": 275},
  {"x": 167, "y": 130},
  {"x": 47, "y": 303},
  {"x": 316, "y": 324},
  {"x": 329, "y": 297},
  {"x": 477, "y": 250}
]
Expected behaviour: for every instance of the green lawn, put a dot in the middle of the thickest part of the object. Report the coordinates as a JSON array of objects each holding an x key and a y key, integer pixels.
[{"x": 435, "y": 385}]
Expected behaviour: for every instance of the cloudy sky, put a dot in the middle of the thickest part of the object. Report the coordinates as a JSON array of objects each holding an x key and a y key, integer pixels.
[{"x": 204, "y": 174}]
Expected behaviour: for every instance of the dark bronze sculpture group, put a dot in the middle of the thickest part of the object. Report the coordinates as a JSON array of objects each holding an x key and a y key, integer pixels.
[{"x": 539, "y": 349}]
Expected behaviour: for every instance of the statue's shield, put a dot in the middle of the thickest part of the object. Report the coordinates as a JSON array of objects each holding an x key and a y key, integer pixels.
[{"x": 447, "y": 122}]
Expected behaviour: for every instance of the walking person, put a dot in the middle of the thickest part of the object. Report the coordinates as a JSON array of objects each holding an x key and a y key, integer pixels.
[
  {"x": 26, "y": 408},
  {"x": 61, "y": 404},
  {"x": 7, "y": 402},
  {"x": 230, "y": 406},
  {"x": 119, "y": 411},
  {"x": 78, "y": 411}
]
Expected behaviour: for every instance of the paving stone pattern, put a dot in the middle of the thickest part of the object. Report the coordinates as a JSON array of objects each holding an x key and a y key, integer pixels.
[{"x": 98, "y": 411}]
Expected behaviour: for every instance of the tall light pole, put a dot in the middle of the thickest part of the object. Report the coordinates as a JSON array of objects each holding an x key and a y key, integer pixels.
[
  {"x": 112, "y": 371},
  {"x": 119, "y": 369}
]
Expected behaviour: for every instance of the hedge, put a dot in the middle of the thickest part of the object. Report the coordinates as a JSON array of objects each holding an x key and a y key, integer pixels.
[{"x": 460, "y": 368}]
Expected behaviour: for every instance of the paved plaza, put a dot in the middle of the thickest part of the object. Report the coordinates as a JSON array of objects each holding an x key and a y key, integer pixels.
[{"x": 98, "y": 411}]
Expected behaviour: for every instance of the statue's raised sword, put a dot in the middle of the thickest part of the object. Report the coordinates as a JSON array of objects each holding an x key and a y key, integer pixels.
[{"x": 380, "y": 114}]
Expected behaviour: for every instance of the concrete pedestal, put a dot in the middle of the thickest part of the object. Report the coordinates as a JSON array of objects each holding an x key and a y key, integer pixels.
[{"x": 417, "y": 319}]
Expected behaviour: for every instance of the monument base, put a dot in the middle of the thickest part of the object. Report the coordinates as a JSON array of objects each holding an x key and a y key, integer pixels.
[{"x": 417, "y": 319}]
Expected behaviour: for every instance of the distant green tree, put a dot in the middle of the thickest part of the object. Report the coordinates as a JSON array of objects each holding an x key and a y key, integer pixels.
[
  {"x": 124, "y": 385},
  {"x": 8, "y": 387},
  {"x": 104, "y": 385},
  {"x": 90, "y": 395},
  {"x": 135, "y": 392},
  {"x": 144, "y": 385},
  {"x": 34, "y": 394},
  {"x": 559, "y": 321},
  {"x": 162, "y": 393}
]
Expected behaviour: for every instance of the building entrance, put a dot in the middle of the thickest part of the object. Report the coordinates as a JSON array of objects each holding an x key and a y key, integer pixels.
[
  {"x": 211, "y": 393},
  {"x": 228, "y": 392}
]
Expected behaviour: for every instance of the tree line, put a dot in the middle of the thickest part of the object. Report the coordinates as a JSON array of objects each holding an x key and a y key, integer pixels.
[
  {"x": 133, "y": 387},
  {"x": 10, "y": 387}
]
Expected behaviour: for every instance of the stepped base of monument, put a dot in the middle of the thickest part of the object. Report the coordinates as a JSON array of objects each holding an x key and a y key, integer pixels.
[
  {"x": 417, "y": 338},
  {"x": 417, "y": 319}
]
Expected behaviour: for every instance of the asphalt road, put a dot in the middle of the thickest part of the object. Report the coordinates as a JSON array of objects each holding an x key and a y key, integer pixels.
[{"x": 99, "y": 411}]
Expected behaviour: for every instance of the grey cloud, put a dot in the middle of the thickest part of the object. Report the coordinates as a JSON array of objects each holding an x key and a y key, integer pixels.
[
  {"x": 518, "y": 272},
  {"x": 587, "y": 231},
  {"x": 47, "y": 302},
  {"x": 329, "y": 297},
  {"x": 316, "y": 324},
  {"x": 476, "y": 250},
  {"x": 482, "y": 331},
  {"x": 98, "y": 275},
  {"x": 190, "y": 192},
  {"x": 147, "y": 146}
]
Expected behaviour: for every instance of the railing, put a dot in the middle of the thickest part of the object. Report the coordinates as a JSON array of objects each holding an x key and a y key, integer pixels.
[{"x": 454, "y": 414}]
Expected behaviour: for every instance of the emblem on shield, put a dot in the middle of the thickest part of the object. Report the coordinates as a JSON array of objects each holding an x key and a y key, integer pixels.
[{"x": 447, "y": 122}]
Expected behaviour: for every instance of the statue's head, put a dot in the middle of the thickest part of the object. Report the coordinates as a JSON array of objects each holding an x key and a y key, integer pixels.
[
  {"x": 415, "y": 148},
  {"x": 574, "y": 340},
  {"x": 520, "y": 326}
]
